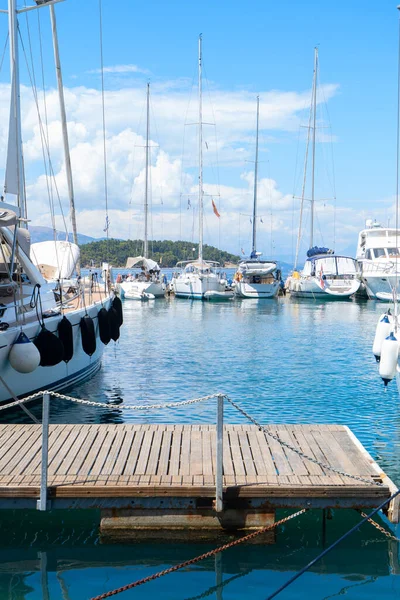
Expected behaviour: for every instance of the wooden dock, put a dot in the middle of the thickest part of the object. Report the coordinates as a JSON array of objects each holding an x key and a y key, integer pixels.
[{"x": 165, "y": 475}]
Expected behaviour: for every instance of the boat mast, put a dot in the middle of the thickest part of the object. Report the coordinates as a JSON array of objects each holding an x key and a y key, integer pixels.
[
  {"x": 255, "y": 184},
  {"x": 200, "y": 157},
  {"x": 15, "y": 180},
  {"x": 313, "y": 145},
  {"x": 64, "y": 129},
  {"x": 146, "y": 185}
]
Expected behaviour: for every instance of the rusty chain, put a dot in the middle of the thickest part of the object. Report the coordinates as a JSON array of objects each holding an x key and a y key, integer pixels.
[
  {"x": 380, "y": 528},
  {"x": 197, "y": 559}
]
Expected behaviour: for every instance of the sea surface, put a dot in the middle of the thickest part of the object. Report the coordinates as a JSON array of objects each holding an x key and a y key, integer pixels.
[{"x": 284, "y": 361}]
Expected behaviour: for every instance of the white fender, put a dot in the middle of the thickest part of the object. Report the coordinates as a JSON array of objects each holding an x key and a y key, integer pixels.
[
  {"x": 383, "y": 329},
  {"x": 24, "y": 357},
  {"x": 389, "y": 356}
]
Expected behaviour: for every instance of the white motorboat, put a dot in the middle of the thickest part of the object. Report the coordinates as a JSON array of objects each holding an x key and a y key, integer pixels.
[
  {"x": 378, "y": 254},
  {"x": 198, "y": 277},
  {"x": 45, "y": 344},
  {"x": 324, "y": 275}
]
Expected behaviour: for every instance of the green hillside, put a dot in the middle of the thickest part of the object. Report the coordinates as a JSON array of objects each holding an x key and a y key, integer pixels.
[{"x": 165, "y": 252}]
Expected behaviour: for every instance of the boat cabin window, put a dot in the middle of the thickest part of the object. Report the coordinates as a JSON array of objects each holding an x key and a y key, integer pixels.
[
  {"x": 368, "y": 254},
  {"x": 379, "y": 252},
  {"x": 345, "y": 265},
  {"x": 393, "y": 252}
]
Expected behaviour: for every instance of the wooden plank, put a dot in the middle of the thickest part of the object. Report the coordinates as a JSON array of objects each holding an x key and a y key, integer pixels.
[
  {"x": 125, "y": 449},
  {"x": 184, "y": 464},
  {"x": 155, "y": 450},
  {"x": 144, "y": 453},
  {"x": 67, "y": 439},
  {"x": 104, "y": 450},
  {"x": 207, "y": 452},
  {"x": 247, "y": 454},
  {"x": 279, "y": 457},
  {"x": 196, "y": 455},
  {"x": 175, "y": 451},
  {"x": 73, "y": 451},
  {"x": 163, "y": 461},
  {"x": 134, "y": 453},
  {"x": 237, "y": 458},
  {"x": 108, "y": 467},
  {"x": 86, "y": 466}
]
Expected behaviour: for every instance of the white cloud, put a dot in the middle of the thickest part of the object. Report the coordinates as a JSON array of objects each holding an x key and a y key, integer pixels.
[
  {"x": 172, "y": 182},
  {"x": 119, "y": 69}
]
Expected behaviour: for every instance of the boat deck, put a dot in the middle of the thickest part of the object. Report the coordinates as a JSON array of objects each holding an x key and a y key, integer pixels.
[{"x": 105, "y": 465}]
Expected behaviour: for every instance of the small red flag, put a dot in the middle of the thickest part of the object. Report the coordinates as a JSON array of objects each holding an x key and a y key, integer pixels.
[{"x": 215, "y": 209}]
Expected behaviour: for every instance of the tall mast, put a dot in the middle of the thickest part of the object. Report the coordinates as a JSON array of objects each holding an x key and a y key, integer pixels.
[
  {"x": 200, "y": 157},
  {"x": 64, "y": 129},
  {"x": 146, "y": 186},
  {"x": 313, "y": 145},
  {"x": 255, "y": 184},
  {"x": 15, "y": 180}
]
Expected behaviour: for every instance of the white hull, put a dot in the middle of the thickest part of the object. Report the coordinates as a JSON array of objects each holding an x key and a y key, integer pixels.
[
  {"x": 380, "y": 285},
  {"x": 192, "y": 286},
  {"x": 212, "y": 296},
  {"x": 63, "y": 375},
  {"x": 334, "y": 289},
  {"x": 135, "y": 289},
  {"x": 256, "y": 290}
]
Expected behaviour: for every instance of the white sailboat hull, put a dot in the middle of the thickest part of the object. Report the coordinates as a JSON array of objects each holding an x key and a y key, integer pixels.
[
  {"x": 335, "y": 289},
  {"x": 256, "y": 290},
  {"x": 193, "y": 286},
  {"x": 60, "y": 376}
]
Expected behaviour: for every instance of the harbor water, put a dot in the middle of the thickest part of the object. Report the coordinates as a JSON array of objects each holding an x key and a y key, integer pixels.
[{"x": 284, "y": 361}]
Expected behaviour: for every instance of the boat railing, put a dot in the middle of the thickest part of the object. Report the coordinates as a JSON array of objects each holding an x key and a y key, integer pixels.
[{"x": 384, "y": 267}]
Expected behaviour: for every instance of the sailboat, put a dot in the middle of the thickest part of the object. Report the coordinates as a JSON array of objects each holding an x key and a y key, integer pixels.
[
  {"x": 200, "y": 279},
  {"x": 149, "y": 283},
  {"x": 45, "y": 344},
  {"x": 256, "y": 278},
  {"x": 324, "y": 275}
]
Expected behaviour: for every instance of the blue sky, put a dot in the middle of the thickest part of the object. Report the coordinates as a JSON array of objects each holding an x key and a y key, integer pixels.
[{"x": 251, "y": 47}]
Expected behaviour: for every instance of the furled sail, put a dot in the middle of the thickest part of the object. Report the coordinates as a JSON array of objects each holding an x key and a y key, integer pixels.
[{"x": 11, "y": 179}]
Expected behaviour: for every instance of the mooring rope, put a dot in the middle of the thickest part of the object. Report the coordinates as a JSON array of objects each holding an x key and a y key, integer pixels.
[
  {"x": 331, "y": 547},
  {"x": 193, "y": 561}
]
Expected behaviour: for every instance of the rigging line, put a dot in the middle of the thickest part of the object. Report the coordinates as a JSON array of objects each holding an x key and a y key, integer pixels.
[
  {"x": 4, "y": 51},
  {"x": 332, "y": 546},
  {"x": 299, "y": 235},
  {"x": 44, "y": 144},
  {"x": 183, "y": 153},
  {"x": 104, "y": 122}
]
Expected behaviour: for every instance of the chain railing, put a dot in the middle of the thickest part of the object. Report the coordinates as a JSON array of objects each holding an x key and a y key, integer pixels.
[{"x": 42, "y": 502}]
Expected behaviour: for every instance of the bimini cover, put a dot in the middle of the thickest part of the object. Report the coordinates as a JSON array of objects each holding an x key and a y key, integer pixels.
[
  {"x": 316, "y": 250},
  {"x": 140, "y": 261},
  {"x": 55, "y": 260},
  {"x": 8, "y": 218}
]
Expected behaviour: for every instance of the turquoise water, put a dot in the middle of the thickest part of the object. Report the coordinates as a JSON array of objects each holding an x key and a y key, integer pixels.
[{"x": 284, "y": 361}]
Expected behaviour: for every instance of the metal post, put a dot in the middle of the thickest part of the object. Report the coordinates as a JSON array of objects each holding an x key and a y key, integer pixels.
[
  {"x": 42, "y": 502},
  {"x": 219, "y": 504}
]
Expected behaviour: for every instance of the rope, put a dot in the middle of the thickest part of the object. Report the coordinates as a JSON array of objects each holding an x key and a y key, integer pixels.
[
  {"x": 332, "y": 546},
  {"x": 197, "y": 559}
]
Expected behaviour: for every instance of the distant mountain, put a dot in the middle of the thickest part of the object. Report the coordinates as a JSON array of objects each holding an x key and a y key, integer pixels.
[{"x": 45, "y": 234}]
